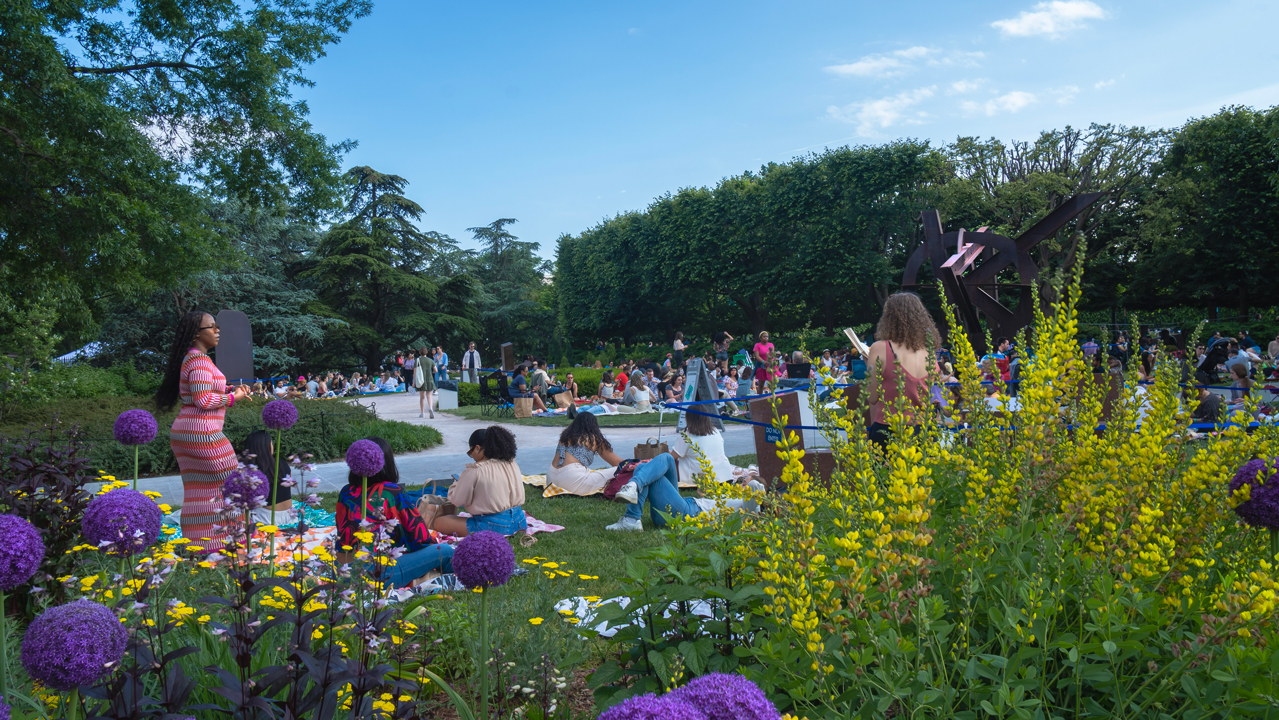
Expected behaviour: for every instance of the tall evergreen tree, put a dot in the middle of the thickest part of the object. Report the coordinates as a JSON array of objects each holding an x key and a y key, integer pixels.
[{"x": 373, "y": 273}]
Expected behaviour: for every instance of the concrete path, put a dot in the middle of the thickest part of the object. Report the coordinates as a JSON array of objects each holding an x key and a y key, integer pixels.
[{"x": 536, "y": 447}]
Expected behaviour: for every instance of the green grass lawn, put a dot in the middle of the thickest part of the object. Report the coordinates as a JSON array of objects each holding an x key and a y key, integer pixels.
[
  {"x": 472, "y": 412},
  {"x": 582, "y": 548}
]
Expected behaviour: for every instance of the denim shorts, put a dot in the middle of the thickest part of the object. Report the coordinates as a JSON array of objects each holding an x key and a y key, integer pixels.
[{"x": 507, "y": 522}]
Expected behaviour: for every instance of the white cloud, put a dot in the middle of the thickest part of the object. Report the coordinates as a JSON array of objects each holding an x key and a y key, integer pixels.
[
  {"x": 1051, "y": 18},
  {"x": 1010, "y": 102},
  {"x": 899, "y": 62},
  {"x": 884, "y": 65},
  {"x": 1103, "y": 84},
  {"x": 633, "y": 31},
  {"x": 1065, "y": 94},
  {"x": 960, "y": 87},
  {"x": 885, "y": 112}
]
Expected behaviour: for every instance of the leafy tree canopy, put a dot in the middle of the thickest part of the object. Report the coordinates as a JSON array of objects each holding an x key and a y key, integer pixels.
[{"x": 112, "y": 108}]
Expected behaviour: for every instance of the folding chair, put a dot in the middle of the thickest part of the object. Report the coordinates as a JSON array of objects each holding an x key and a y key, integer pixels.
[{"x": 495, "y": 398}]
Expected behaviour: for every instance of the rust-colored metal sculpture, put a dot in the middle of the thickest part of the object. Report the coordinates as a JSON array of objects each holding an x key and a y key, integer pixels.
[{"x": 972, "y": 286}]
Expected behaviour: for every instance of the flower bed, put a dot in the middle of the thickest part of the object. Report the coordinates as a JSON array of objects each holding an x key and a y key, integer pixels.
[{"x": 1034, "y": 565}]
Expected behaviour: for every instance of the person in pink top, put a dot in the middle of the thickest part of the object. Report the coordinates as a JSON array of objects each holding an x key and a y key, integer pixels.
[
  {"x": 205, "y": 456},
  {"x": 901, "y": 353},
  {"x": 764, "y": 361}
]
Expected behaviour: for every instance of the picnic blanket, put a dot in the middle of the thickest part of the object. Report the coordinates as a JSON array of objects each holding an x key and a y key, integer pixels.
[{"x": 323, "y": 529}]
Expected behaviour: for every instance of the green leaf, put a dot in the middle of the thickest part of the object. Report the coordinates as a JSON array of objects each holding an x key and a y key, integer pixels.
[
  {"x": 463, "y": 710},
  {"x": 635, "y": 569},
  {"x": 606, "y": 674},
  {"x": 1109, "y": 647},
  {"x": 718, "y": 564}
]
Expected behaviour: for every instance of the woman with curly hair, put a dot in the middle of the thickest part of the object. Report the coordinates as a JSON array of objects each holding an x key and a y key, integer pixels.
[
  {"x": 579, "y": 445},
  {"x": 900, "y": 356},
  {"x": 491, "y": 489},
  {"x": 205, "y": 456}
]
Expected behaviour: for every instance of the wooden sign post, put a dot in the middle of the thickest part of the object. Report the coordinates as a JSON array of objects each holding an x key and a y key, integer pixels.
[{"x": 508, "y": 357}]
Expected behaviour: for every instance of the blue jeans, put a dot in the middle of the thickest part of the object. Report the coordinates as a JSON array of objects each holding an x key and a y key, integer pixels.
[
  {"x": 507, "y": 522},
  {"x": 414, "y": 565},
  {"x": 658, "y": 484}
]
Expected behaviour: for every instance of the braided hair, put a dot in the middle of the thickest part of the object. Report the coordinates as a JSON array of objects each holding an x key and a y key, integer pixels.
[{"x": 188, "y": 327}]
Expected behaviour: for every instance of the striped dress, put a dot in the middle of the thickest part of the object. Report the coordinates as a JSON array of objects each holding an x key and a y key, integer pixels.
[{"x": 205, "y": 457}]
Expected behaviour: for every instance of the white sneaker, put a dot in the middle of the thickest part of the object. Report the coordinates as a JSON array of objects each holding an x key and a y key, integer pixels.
[
  {"x": 629, "y": 493},
  {"x": 626, "y": 523},
  {"x": 421, "y": 415}
]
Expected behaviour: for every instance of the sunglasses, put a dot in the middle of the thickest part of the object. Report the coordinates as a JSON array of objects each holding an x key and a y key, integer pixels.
[{"x": 213, "y": 327}]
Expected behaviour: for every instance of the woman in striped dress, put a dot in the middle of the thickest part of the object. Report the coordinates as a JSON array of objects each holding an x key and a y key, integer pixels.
[{"x": 205, "y": 457}]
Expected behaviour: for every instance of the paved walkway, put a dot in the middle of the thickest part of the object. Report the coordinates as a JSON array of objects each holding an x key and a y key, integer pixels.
[{"x": 536, "y": 447}]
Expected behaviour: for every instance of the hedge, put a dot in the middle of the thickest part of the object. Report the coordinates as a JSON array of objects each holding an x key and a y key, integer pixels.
[{"x": 325, "y": 428}]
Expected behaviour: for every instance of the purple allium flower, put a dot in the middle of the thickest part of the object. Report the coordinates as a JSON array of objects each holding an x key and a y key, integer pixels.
[
  {"x": 72, "y": 645},
  {"x": 134, "y": 427},
  {"x": 483, "y": 560},
  {"x": 651, "y": 707},
  {"x": 126, "y": 518},
  {"x": 364, "y": 458},
  {"x": 721, "y": 696},
  {"x": 5, "y": 710},
  {"x": 1261, "y": 509},
  {"x": 279, "y": 415},
  {"x": 21, "y": 552},
  {"x": 246, "y": 488}
]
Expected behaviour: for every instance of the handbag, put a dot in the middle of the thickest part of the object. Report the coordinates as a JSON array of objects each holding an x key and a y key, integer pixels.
[
  {"x": 564, "y": 400},
  {"x": 650, "y": 449},
  {"x": 523, "y": 407},
  {"x": 625, "y": 470}
]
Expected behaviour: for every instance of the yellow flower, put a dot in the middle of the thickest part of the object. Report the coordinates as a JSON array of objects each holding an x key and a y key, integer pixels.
[
  {"x": 535, "y": 621},
  {"x": 364, "y": 536},
  {"x": 551, "y": 565}
]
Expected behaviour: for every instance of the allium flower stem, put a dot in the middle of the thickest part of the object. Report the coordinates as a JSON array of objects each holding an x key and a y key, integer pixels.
[
  {"x": 275, "y": 488},
  {"x": 364, "y": 497},
  {"x": 484, "y": 653},
  {"x": 135, "y": 467},
  {"x": 4, "y": 647}
]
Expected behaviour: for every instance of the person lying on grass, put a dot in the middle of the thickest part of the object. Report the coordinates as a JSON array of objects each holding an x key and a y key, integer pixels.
[
  {"x": 491, "y": 489},
  {"x": 387, "y": 500}
]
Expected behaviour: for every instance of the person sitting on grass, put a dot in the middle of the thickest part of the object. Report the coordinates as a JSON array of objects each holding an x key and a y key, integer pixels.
[
  {"x": 387, "y": 500},
  {"x": 491, "y": 489},
  {"x": 655, "y": 482},
  {"x": 579, "y": 445},
  {"x": 570, "y": 386},
  {"x": 520, "y": 388},
  {"x": 637, "y": 394},
  {"x": 605, "y": 390}
]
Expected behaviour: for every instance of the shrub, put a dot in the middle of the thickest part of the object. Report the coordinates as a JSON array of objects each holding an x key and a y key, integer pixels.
[
  {"x": 42, "y": 480},
  {"x": 1013, "y": 570},
  {"x": 325, "y": 428},
  {"x": 468, "y": 394}
]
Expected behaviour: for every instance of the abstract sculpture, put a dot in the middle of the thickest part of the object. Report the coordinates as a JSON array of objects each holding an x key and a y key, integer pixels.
[{"x": 968, "y": 264}]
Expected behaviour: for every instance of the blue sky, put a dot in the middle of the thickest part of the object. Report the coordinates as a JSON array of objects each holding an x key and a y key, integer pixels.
[{"x": 561, "y": 114}]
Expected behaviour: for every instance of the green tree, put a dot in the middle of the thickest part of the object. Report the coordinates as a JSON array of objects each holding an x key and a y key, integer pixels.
[
  {"x": 1216, "y": 217},
  {"x": 510, "y": 275},
  {"x": 257, "y": 277},
  {"x": 1011, "y": 186},
  {"x": 111, "y": 107},
  {"x": 372, "y": 272}
]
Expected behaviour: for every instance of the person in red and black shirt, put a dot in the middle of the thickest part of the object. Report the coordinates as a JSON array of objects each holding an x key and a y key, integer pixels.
[{"x": 388, "y": 500}]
